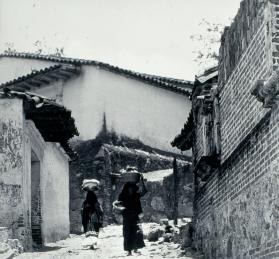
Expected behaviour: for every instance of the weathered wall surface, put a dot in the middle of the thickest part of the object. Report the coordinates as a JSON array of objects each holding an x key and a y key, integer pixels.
[
  {"x": 237, "y": 212},
  {"x": 18, "y": 140},
  {"x": 55, "y": 194},
  {"x": 133, "y": 108},
  {"x": 158, "y": 203},
  {"x": 13, "y": 213}
]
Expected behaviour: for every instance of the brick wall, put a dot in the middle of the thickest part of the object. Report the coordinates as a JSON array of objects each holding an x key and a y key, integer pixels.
[
  {"x": 237, "y": 37},
  {"x": 237, "y": 210},
  {"x": 239, "y": 110}
]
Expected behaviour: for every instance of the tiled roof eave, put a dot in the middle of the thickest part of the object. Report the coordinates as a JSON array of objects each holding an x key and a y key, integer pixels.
[
  {"x": 178, "y": 86},
  {"x": 53, "y": 120},
  {"x": 43, "y": 77},
  {"x": 184, "y": 140}
]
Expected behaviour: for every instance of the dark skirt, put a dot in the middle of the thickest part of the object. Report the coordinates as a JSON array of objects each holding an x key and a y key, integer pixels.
[
  {"x": 132, "y": 233},
  {"x": 90, "y": 222}
]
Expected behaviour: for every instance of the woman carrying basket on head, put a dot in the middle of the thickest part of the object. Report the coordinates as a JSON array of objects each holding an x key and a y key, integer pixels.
[
  {"x": 91, "y": 212},
  {"x": 129, "y": 201}
]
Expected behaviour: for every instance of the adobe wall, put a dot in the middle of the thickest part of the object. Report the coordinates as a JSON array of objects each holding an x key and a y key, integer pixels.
[
  {"x": 237, "y": 211},
  {"x": 55, "y": 194}
]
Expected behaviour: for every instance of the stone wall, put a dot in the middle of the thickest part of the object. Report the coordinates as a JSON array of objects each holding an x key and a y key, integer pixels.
[
  {"x": 159, "y": 203},
  {"x": 236, "y": 211}
]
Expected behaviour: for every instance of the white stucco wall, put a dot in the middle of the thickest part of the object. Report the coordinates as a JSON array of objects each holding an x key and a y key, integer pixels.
[
  {"x": 11, "y": 68},
  {"x": 138, "y": 110},
  {"x": 55, "y": 194},
  {"x": 153, "y": 115}
]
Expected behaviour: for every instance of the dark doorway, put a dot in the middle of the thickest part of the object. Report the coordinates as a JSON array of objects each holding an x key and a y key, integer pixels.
[{"x": 36, "y": 217}]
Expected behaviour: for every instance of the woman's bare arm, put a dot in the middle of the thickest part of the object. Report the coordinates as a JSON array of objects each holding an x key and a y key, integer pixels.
[{"x": 143, "y": 187}]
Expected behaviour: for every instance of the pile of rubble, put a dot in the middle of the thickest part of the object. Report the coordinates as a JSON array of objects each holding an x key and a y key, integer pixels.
[
  {"x": 8, "y": 247},
  {"x": 168, "y": 232}
]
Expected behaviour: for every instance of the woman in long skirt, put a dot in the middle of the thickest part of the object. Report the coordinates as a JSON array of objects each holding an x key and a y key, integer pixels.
[
  {"x": 92, "y": 213},
  {"x": 130, "y": 200}
]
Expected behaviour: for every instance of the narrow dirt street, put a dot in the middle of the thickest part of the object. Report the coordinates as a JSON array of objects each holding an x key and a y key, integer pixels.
[{"x": 109, "y": 246}]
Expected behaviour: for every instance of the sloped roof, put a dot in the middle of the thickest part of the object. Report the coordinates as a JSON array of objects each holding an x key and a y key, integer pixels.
[
  {"x": 204, "y": 78},
  {"x": 203, "y": 85},
  {"x": 53, "y": 120},
  {"x": 143, "y": 153},
  {"x": 184, "y": 140},
  {"x": 179, "y": 86},
  {"x": 38, "y": 78}
]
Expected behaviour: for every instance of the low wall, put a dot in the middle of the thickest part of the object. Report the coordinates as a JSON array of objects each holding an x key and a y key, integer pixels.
[{"x": 159, "y": 202}]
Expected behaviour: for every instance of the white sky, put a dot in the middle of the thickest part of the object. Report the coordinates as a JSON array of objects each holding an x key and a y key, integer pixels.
[{"x": 151, "y": 36}]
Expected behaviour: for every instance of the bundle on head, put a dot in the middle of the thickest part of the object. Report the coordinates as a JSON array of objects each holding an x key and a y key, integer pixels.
[
  {"x": 131, "y": 174},
  {"x": 90, "y": 185}
]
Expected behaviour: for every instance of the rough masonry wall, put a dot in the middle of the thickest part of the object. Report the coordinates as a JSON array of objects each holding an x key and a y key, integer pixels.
[
  {"x": 237, "y": 211},
  {"x": 13, "y": 213},
  {"x": 55, "y": 194},
  {"x": 159, "y": 203}
]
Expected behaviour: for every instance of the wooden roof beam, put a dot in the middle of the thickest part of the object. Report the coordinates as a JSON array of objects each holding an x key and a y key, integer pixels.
[
  {"x": 47, "y": 78},
  {"x": 66, "y": 73},
  {"x": 41, "y": 79},
  {"x": 34, "y": 83},
  {"x": 59, "y": 75},
  {"x": 53, "y": 76},
  {"x": 73, "y": 69},
  {"x": 23, "y": 85}
]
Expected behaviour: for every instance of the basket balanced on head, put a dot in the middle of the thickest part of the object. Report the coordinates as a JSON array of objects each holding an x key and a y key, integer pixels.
[
  {"x": 90, "y": 185},
  {"x": 131, "y": 174}
]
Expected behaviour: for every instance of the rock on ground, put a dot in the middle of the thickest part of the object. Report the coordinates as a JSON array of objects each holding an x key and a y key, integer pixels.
[
  {"x": 110, "y": 245},
  {"x": 10, "y": 248}
]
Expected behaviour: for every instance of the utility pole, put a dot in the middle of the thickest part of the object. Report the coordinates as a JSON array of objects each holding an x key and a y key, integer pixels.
[{"x": 175, "y": 191}]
